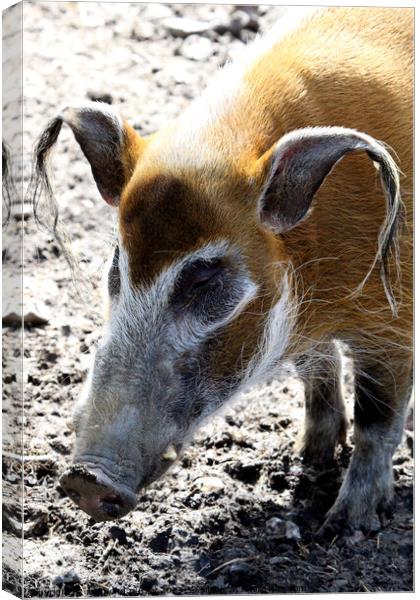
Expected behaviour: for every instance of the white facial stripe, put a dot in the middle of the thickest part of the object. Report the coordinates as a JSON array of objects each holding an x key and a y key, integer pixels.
[
  {"x": 278, "y": 329},
  {"x": 136, "y": 308}
]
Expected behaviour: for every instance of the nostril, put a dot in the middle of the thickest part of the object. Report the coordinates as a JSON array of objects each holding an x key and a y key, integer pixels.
[{"x": 112, "y": 505}]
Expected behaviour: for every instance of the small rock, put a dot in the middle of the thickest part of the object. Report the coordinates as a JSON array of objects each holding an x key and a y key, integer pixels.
[
  {"x": 68, "y": 577},
  {"x": 196, "y": 47},
  {"x": 60, "y": 447},
  {"x": 142, "y": 30},
  {"x": 210, "y": 485},
  {"x": 100, "y": 96},
  {"x": 279, "y": 528},
  {"x": 239, "y": 20},
  {"x": 248, "y": 473},
  {"x": 65, "y": 330},
  {"x": 222, "y": 439},
  {"x": 183, "y": 26},
  {"x": 154, "y": 12},
  {"x": 279, "y": 560}
]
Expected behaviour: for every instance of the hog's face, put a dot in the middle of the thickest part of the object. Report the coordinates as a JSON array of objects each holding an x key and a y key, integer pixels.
[{"x": 187, "y": 309}]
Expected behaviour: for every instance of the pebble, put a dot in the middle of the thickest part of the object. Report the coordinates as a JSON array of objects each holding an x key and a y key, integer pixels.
[
  {"x": 154, "y": 12},
  {"x": 248, "y": 472},
  {"x": 196, "y": 47},
  {"x": 279, "y": 528},
  {"x": 65, "y": 330},
  {"x": 100, "y": 96},
  {"x": 210, "y": 485},
  {"x": 68, "y": 577},
  {"x": 279, "y": 560},
  {"x": 183, "y": 26},
  {"x": 239, "y": 20},
  {"x": 142, "y": 31}
]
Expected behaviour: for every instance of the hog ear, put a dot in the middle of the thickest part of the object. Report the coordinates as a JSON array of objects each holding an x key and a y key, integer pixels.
[
  {"x": 300, "y": 161},
  {"x": 111, "y": 146}
]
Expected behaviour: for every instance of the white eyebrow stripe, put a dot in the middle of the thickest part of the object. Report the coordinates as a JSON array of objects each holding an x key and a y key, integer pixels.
[
  {"x": 144, "y": 310},
  {"x": 166, "y": 279}
]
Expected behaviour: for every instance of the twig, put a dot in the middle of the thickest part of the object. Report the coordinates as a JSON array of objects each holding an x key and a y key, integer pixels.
[
  {"x": 28, "y": 457},
  {"x": 234, "y": 560}
]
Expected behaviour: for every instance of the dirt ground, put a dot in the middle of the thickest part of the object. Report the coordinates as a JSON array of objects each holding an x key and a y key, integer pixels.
[{"x": 239, "y": 512}]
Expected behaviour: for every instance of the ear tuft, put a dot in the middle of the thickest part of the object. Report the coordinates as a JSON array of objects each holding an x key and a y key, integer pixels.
[
  {"x": 300, "y": 162},
  {"x": 298, "y": 165},
  {"x": 99, "y": 132},
  {"x": 110, "y": 145}
]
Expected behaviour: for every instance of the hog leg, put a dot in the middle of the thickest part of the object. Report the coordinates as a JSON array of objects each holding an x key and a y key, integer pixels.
[
  {"x": 325, "y": 421},
  {"x": 365, "y": 499}
]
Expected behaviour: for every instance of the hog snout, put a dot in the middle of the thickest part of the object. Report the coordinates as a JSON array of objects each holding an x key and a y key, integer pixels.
[{"x": 96, "y": 494}]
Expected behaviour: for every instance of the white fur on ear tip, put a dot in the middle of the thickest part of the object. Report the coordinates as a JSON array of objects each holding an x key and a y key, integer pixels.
[{"x": 78, "y": 110}]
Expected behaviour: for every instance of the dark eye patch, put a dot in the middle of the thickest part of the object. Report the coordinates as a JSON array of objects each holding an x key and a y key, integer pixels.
[
  {"x": 197, "y": 279},
  {"x": 114, "y": 274},
  {"x": 207, "y": 291}
]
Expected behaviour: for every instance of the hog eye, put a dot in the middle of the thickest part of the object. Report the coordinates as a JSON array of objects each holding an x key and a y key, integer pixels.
[
  {"x": 114, "y": 274},
  {"x": 198, "y": 277}
]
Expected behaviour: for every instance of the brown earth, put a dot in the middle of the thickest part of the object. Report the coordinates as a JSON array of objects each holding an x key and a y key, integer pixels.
[{"x": 239, "y": 513}]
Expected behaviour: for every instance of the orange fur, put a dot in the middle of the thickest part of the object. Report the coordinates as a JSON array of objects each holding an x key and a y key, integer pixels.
[{"x": 347, "y": 67}]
